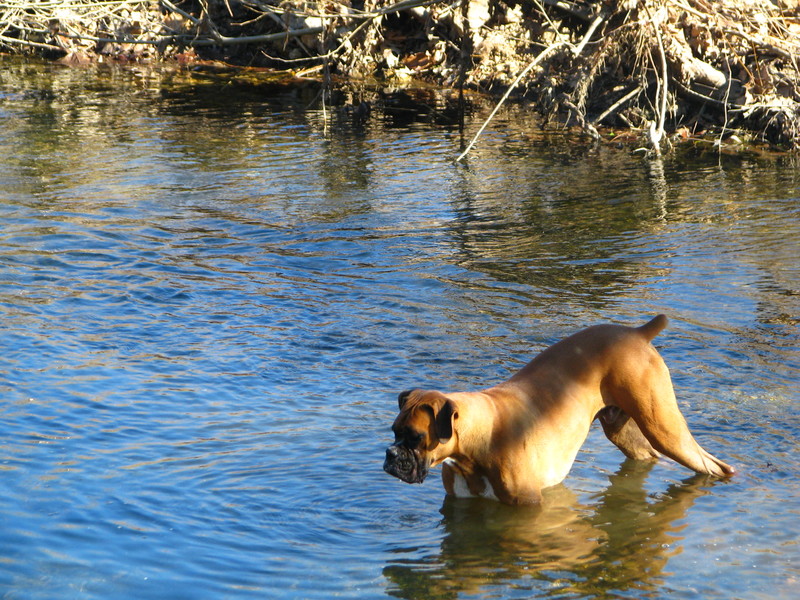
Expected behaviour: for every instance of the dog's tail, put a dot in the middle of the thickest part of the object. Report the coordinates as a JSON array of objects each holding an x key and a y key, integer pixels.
[{"x": 652, "y": 328}]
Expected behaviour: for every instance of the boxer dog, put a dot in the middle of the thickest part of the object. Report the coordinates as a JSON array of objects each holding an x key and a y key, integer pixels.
[{"x": 512, "y": 440}]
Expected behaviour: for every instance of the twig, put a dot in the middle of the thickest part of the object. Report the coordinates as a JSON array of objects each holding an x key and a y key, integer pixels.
[
  {"x": 542, "y": 55},
  {"x": 182, "y": 39},
  {"x": 393, "y": 8},
  {"x": 580, "y": 117},
  {"x": 352, "y": 12},
  {"x": 770, "y": 48},
  {"x": 171, "y": 7},
  {"x": 697, "y": 96},
  {"x": 558, "y": 34},
  {"x": 595, "y": 24},
  {"x": 725, "y": 113},
  {"x": 570, "y": 8},
  {"x": 656, "y": 134},
  {"x": 326, "y": 78},
  {"x": 17, "y": 42},
  {"x": 618, "y": 104},
  {"x": 320, "y": 57},
  {"x": 205, "y": 17}
]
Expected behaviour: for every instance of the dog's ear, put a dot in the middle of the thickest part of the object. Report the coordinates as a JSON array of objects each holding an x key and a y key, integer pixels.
[
  {"x": 444, "y": 421},
  {"x": 403, "y": 398}
]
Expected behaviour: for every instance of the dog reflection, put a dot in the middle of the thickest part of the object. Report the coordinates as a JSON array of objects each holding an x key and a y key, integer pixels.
[{"x": 621, "y": 542}]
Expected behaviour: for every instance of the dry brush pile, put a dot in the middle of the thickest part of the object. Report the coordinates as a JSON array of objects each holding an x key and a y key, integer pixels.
[{"x": 657, "y": 67}]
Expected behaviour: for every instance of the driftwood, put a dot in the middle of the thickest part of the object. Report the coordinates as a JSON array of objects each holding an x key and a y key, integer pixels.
[{"x": 654, "y": 66}]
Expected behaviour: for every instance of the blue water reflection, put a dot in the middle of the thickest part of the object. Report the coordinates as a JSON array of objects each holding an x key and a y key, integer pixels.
[{"x": 209, "y": 306}]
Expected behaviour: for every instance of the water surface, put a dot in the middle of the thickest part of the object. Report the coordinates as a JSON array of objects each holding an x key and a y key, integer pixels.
[{"x": 210, "y": 301}]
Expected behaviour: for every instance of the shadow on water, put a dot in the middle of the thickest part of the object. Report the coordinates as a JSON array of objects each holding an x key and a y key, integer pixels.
[
  {"x": 572, "y": 217},
  {"x": 620, "y": 543},
  {"x": 553, "y": 238}
]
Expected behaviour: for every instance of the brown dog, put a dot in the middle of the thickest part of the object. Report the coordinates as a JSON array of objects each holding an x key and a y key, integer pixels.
[{"x": 512, "y": 440}]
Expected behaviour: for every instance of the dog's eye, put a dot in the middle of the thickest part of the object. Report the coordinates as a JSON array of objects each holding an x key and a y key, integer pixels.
[{"x": 414, "y": 439}]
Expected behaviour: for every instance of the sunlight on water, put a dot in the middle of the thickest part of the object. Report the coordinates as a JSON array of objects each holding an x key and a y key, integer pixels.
[{"x": 209, "y": 308}]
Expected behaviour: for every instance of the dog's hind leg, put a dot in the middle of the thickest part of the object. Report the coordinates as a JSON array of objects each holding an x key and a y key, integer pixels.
[
  {"x": 625, "y": 434},
  {"x": 652, "y": 405}
]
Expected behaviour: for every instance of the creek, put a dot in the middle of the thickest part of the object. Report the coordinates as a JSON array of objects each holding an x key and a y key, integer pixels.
[{"x": 211, "y": 298}]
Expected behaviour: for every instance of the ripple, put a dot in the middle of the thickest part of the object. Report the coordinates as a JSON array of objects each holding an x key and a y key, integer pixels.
[{"x": 203, "y": 343}]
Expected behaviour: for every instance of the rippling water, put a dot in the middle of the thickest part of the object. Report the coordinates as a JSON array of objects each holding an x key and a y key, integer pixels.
[{"x": 209, "y": 305}]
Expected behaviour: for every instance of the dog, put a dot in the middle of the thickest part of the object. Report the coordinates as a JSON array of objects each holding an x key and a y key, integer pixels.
[{"x": 510, "y": 441}]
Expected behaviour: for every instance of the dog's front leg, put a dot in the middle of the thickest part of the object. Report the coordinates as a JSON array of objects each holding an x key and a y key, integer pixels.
[{"x": 461, "y": 481}]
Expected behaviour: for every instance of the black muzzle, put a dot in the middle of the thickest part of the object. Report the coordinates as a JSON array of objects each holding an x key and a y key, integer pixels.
[{"x": 405, "y": 464}]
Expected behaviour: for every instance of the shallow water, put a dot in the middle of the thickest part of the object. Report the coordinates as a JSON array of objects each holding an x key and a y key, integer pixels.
[{"x": 209, "y": 305}]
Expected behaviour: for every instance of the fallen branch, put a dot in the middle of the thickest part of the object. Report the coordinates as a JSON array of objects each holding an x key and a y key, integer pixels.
[
  {"x": 542, "y": 55},
  {"x": 576, "y": 50},
  {"x": 739, "y": 61},
  {"x": 175, "y": 39},
  {"x": 244, "y": 39}
]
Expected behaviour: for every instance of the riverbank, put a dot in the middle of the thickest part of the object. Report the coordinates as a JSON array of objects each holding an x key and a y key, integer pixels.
[{"x": 663, "y": 71}]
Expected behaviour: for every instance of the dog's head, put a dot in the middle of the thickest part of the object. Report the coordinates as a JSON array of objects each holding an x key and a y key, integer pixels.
[{"x": 423, "y": 434}]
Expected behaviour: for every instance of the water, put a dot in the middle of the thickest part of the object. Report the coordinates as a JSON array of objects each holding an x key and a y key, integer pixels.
[{"x": 209, "y": 305}]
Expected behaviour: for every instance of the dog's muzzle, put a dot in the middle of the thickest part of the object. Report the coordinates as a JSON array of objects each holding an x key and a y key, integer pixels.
[{"x": 405, "y": 464}]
